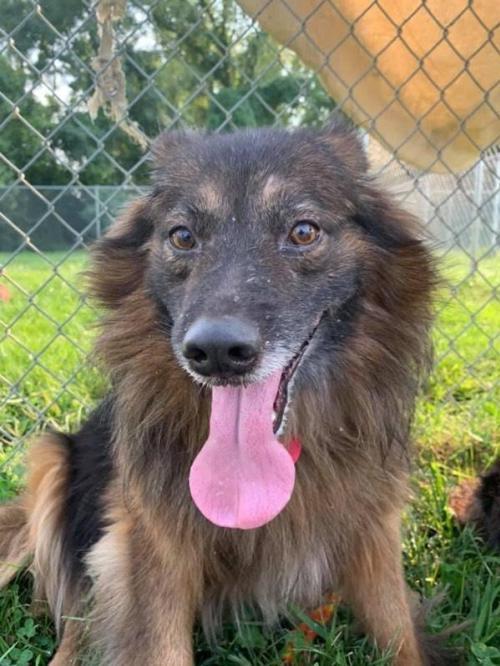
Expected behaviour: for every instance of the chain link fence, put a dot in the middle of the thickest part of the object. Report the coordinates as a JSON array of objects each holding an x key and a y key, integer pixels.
[{"x": 140, "y": 67}]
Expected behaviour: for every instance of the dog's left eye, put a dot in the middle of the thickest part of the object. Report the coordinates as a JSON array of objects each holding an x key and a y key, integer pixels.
[
  {"x": 304, "y": 233},
  {"x": 182, "y": 238}
]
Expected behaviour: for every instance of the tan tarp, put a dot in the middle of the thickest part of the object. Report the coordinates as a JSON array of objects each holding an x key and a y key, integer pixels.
[{"x": 422, "y": 76}]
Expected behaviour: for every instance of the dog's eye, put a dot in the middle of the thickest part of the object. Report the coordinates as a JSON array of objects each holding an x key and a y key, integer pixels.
[
  {"x": 182, "y": 238},
  {"x": 304, "y": 233}
]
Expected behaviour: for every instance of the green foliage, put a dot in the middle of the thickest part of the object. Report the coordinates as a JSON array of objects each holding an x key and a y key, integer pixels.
[
  {"x": 24, "y": 640},
  {"x": 22, "y": 144},
  {"x": 456, "y": 428},
  {"x": 49, "y": 338},
  {"x": 186, "y": 64}
]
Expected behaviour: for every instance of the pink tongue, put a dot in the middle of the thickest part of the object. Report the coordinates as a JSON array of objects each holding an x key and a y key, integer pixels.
[{"x": 242, "y": 477}]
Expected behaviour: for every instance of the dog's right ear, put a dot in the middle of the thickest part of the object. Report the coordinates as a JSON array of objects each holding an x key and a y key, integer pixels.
[
  {"x": 118, "y": 260},
  {"x": 171, "y": 148}
]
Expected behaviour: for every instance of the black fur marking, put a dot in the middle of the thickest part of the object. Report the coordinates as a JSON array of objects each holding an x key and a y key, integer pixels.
[
  {"x": 489, "y": 498},
  {"x": 90, "y": 469},
  {"x": 343, "y": 323},
  {"x": 139, "y": 234},
  {"x": 385, "y": 236},
  {"x": 434, "y": 648},
  {"x": 165, "y": 320},
  {"x": 437, "y": 653}
]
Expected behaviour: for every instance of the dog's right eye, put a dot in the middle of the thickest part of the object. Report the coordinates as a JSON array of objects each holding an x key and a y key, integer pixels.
[
  {"x": 304, "y": 233},
  {"x": 181, "y": 238}
]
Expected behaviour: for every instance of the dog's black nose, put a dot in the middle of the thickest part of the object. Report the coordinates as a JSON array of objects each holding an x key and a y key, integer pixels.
[{"x": 221, "y": 347}]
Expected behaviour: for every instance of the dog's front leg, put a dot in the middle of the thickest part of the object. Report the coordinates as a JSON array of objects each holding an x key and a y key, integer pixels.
[
  {"x": 374, "y": 586},
  {"x": 146, "y": 593},
  {"x": 68, "y": 651}
]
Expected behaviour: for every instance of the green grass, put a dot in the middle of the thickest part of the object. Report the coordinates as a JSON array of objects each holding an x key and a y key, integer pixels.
[
  {"x": 456, "y": 428},
  {"x": 46, "y": 314}
]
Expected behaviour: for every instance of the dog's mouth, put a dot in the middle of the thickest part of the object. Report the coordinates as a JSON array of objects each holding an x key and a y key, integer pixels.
[
  {"x": 244, "y": 476},
  {"x": 285, "y": 388}
]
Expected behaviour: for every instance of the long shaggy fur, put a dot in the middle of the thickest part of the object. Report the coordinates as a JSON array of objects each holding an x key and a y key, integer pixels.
[
  {"x": 359, "y": 414},
  {"x": 154, "y": 563}
]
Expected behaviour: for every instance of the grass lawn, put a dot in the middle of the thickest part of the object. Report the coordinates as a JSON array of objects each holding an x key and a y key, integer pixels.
[{"x": 45, "y": 334}]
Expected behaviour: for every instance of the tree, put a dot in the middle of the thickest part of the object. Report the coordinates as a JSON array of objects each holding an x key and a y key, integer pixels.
[{"x": 187, "y": 64}]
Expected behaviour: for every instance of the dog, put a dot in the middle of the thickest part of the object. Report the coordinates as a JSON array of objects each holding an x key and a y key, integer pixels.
[
  {"x": 477, "y": 502},
  {"x": 267, "y": 309}
]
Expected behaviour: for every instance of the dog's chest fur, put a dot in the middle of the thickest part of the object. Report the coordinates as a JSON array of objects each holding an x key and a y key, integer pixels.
[
  {"x": 301, "y": 555},
  {"x": 268, "y": 573}
]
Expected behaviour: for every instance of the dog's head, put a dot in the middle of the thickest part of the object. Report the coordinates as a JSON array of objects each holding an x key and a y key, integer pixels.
[
  {"x": 258, "y": 250},
  {"x": 254, "y": 249}
]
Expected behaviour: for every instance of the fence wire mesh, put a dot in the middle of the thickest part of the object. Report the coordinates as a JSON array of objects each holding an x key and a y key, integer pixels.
[{"x": 64, "y": 173}]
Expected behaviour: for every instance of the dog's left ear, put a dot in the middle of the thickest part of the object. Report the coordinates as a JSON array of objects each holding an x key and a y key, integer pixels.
[
  {"x": 118, "y": 260},
  {"x": 377, "y": 213},
  {"x": 346, "y": 144}
]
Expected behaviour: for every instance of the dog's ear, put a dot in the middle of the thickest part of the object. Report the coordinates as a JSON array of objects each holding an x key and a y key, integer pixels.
[
  {"x": 389, "y": 225},
  {"x": 171, "y": 147},
  {"x": 345, "y": 141},
  {"x": 386, "y": 223},
  {"x": 118, "y": 260}
]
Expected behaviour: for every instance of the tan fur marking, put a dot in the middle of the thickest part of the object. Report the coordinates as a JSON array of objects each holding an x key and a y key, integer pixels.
[
  {"x": 273, "y": 185},
  {"x": 145, "y": 602},
  {"x": 375, "y": 588},
  {"x": 69, "y": 649},
  {"x": 14, "y": 546},
  {"x": 45, "y": 494},
  {"x": 210, "y": 197}
]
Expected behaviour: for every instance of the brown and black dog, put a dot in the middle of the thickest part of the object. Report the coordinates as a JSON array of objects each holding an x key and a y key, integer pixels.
[{"x": 266, "y": 299}]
